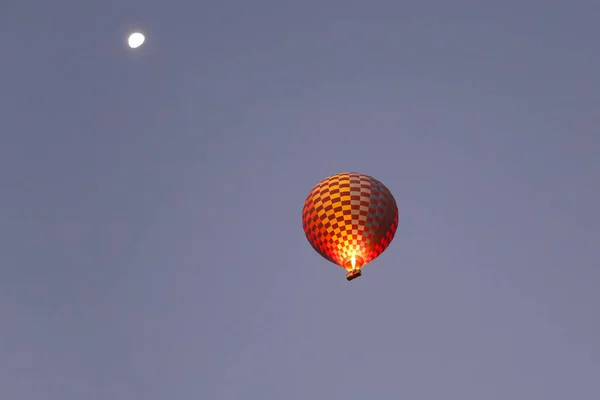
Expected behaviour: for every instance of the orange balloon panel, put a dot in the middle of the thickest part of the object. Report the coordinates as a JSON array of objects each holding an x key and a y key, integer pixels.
[{"x": 350, "y": 218}]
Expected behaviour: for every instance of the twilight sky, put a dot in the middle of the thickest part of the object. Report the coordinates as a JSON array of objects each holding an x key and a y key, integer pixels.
[{"x": 150, "y": 201}]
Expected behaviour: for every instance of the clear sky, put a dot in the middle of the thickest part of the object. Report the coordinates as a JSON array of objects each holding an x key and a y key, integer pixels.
[{"x": 151, "y": 244}]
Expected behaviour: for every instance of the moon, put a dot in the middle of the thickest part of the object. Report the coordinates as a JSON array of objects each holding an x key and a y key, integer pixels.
[{"x": 135, "y": 40}]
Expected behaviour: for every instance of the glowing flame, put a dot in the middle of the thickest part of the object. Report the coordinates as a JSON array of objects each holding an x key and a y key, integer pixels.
[{"x": 352, "y": 262}]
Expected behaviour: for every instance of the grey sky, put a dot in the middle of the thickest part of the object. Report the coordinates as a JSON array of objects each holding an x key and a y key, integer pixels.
[{"x": 150, "y": 201}]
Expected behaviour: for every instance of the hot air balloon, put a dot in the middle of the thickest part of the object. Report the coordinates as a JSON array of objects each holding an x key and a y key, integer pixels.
[{"x": 350, "y": 219}]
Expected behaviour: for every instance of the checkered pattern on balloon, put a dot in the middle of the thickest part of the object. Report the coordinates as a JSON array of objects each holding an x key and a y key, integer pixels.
[{"x": 350, "y": 219}]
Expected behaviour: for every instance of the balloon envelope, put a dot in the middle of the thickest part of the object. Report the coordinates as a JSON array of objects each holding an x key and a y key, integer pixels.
[{"x": 350, "y": 219}]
